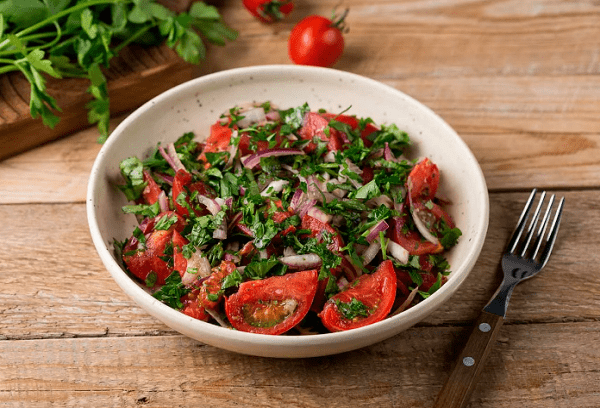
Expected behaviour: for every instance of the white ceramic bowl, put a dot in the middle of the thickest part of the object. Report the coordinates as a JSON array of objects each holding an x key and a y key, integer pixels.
[{"x": 195, "y": 105}]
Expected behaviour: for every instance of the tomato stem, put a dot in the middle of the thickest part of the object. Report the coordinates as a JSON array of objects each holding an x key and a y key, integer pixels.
[{"x": 339, "y": 21}]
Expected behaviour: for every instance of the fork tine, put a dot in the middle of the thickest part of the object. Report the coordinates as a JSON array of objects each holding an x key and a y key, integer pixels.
[
  {"x": 532, "y": 224},
  {"x": 542, "y": 229},
  {"x": 521, "y": 224},
  {"x": 552, "y": 234}
]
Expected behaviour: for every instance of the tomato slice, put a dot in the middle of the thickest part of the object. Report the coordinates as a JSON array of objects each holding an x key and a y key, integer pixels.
[
  {"x": 152, "y": 189},
  {"x": 423, "y": 181},
  {"x": 313, "y": 126},
  {"x": 352, "y": 121},
  {"x": 142, "y": 263},
  {"x": 273, "y": 305},
  {"x": 210, "y": 293},
  {"x": 369, "y": 299},
  {"x": 317, "y": 227},
  {"x": 192, "y": 307},
  {"x": 183, "y": 183}
]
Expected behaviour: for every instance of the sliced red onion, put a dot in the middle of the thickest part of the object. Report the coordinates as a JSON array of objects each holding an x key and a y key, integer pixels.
[
  {"x": 350, "y": 271},
  {"x": 406, "y": 303},
  {"x": 371, "y": 252},
  {"x": 319, "y": 214},
  {"x": 387, "y": 153},
  {"x": 397, "y": 252},
  {"x": 198, "y": 263},
  {"x": 252, "y": 116},
  {"x": 263, "y": 254},
  {"x": 306, "y": 261},
  {"x": 231, "y": 258},
  {"x": 242, "y": 191},
  {"x": 173, "y": 154},
  {"x": 164, "y": 177},
  {"x": 272, "y": 115},
  {"x": 163, "y": 202},
  {"x": 379, "y": 200},
  {"x": 215, "y": 315},
  {"x": 305, "y": 206},
  {"x": 296, "y": 199},
  {"x": 220, "y": 233},
  {"x": 254, "y": 159},
  {"x": 353, "y": 167},
  {"x": 416, "y": 215},
  {"x": 211, "y": 205},
  {"x": 175, "y": 165},
  {"x": 376, "y": 229},
  {"x": 289, "y": 251},
  {"x": 360, "y": 249},
  {"x": 342, "y": 283},
  {"x": 275, "y": 186},
  {"x": 329, "y": 157},
  {"x": 234, "y": 220}
]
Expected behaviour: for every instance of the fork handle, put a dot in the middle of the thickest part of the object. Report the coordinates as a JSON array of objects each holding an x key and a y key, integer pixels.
[{"x": 458, "y": 388}]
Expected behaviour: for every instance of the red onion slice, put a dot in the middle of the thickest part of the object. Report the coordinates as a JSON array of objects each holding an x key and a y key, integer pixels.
[
  {"x": 252, "y": 116},
  {"x": 406, "y": 303},
  {"x": 422, "y": 227},
  {"x": 305, "y": 206},
  {"x": 163, "y": 202},
  {"x": 397, "y": 252},
  {"x": 376, "y": 229},
  {"x": 211, "y": 205},
  {"x": 296, "y": 199},
  {"x": 306, "y": 261},
  {"x": 371, "y": 252},
  {"x": 254, "y": 159},
  {"x": 275, "y": 186},
  {"x": 173, "y": 154},
  {"x": 319, "y": 215},
  {"x": 387, "y": 153}
]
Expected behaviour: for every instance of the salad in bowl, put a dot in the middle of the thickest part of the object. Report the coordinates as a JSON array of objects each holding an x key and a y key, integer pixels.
[{"x": 287, "y": 221}]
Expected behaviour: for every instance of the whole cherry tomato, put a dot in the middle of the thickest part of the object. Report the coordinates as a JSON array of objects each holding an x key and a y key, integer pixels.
[
  {"x": 269, "y": 11},
  {"x": 317, "y": 40}
]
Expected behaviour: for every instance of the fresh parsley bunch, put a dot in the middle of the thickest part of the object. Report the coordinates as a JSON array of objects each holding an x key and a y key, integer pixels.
[{"x": 76, "y": 38}]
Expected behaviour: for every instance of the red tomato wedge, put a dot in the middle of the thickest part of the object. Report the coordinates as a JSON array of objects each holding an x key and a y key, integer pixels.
[
  {"x": 273, "y": 305},
  {"x": 423, "y": 181},
  {"x": 367, "y": 300},
  {"x": 314, "y": 126},
  {"x": 182, "y": 183},
  {"x": 353, "y": 123},
  {"x": 192, "y": 307},
  {"x": 317, "y": 227},
  {"x": 142, "y": 263},
  {"x": 211, "y": 287},
  {"x": 152, "y": 189}
]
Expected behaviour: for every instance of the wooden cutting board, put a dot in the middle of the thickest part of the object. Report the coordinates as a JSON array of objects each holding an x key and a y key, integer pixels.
[{"x": 136, "y": 75}]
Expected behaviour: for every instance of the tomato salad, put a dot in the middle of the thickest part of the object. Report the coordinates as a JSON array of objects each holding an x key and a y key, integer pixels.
[{"x": 287, "y": 221}]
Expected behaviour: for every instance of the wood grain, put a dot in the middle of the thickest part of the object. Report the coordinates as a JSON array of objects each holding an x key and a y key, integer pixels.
[
  {"x": 518, "y": 80},
  {"x": 546, "y": 362}
]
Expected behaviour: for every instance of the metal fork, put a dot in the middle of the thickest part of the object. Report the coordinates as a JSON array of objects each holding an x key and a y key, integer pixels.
[{"x": 522, "y": 260}]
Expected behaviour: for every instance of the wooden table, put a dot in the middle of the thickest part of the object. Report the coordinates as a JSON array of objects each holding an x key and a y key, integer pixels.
[{"x": 518, "y": 80}]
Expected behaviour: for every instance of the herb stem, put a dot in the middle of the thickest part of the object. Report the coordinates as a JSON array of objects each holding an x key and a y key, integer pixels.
[
  {"x": 132, "y": 38},
  {"x": 59, "y": 15}
]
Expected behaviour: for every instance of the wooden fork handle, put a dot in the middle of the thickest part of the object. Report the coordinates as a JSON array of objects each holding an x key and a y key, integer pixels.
[{"x": 458, "y": 388}]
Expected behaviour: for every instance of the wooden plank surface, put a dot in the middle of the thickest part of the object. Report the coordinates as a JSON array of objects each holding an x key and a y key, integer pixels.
[
  {"x": 405, "y": 371},
  {"x": 57, "y": 286},
  {"x": 518, "y": 80}
]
